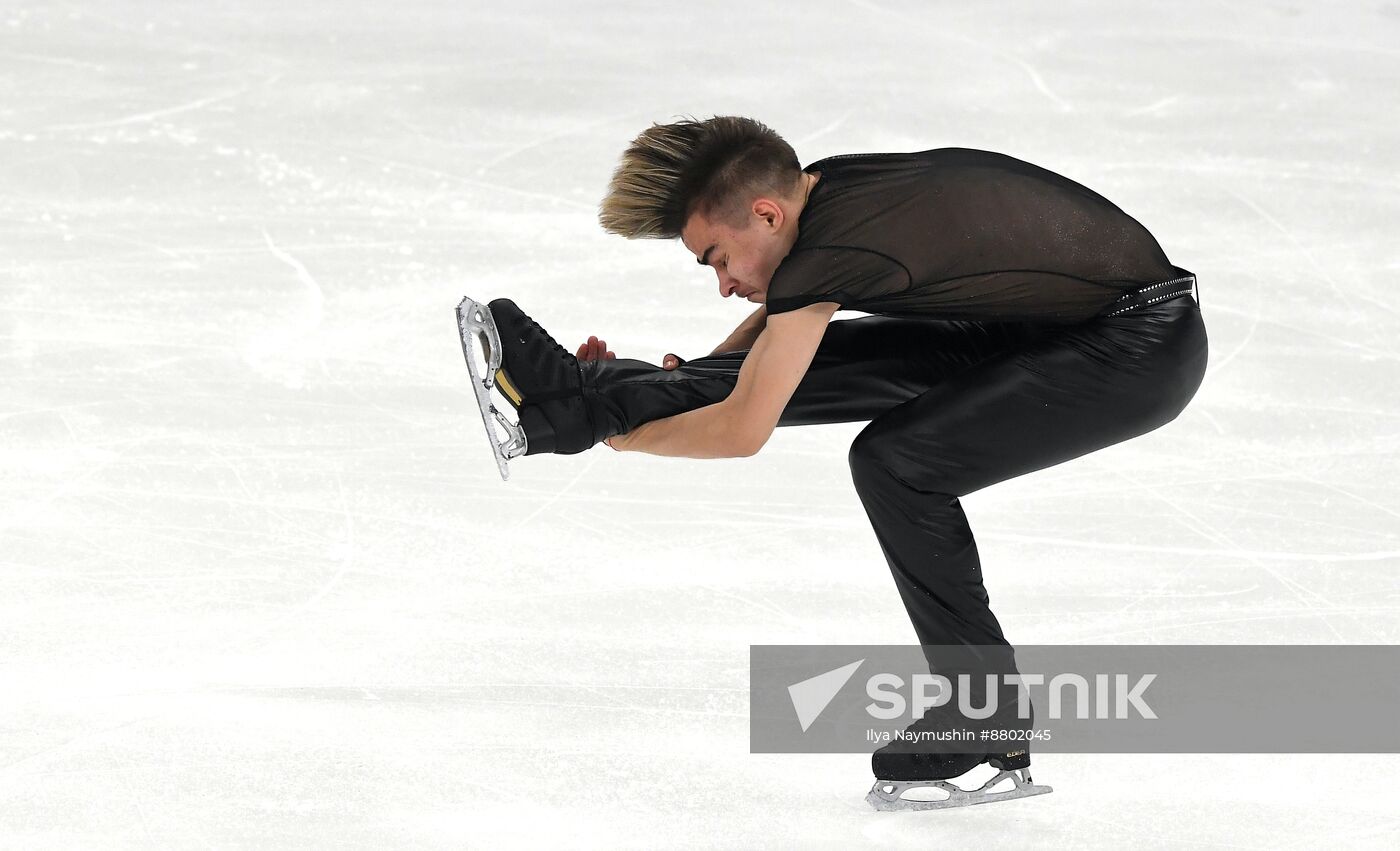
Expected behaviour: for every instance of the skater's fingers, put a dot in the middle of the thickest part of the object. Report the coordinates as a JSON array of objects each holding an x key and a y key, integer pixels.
[
  {"x": 611, "y": 356},
  {"x": 670, "y": 361}
]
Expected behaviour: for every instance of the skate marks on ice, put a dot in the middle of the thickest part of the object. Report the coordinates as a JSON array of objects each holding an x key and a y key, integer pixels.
[
  {"x": 477, "y": 328},
  {"x": 889, "y": 795}
]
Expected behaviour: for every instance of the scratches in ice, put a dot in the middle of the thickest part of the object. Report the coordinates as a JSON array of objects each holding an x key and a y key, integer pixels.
[
  {"x": 1273, "y": 555},
  {"x": 52, "y": 60},
  {"x": 161, "y": 113},
  {"x": 559, "y": 494},
  {"x": 1318, "y": 268},
  {"x": 1155, "y": 106},
  {"x": 1036, "y": 80},
  {"x": 389, "y": 163},
  {"x": 822, "y": 131},
  {"x": 282, "y": 352},
  {"x": 1316, "y": 602},
  {"x": 550, "y": 137}
]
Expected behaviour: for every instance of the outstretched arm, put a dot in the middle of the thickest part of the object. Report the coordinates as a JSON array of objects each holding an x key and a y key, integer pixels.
[{"x": 741, "y": 423}]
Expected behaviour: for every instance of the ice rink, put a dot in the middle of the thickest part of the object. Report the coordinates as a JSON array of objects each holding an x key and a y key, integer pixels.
[{"x": 262, "y": 586}]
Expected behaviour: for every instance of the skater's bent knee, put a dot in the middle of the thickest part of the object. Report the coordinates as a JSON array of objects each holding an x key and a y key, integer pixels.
[
  {"x": 877, "y": 460},
  {"x": 870, "y": 458}
]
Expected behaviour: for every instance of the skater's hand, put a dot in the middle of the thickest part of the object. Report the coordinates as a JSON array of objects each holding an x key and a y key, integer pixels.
[{"x": 594, "y": 349}]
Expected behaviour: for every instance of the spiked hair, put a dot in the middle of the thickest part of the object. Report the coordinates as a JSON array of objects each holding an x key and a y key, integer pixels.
[{"x": 713, "y": 167}]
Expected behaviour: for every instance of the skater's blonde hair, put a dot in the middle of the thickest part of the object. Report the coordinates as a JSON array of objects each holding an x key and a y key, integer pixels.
[{"x": 714, "y": 167}]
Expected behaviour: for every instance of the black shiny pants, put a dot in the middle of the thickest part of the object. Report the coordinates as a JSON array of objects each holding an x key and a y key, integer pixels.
[{"x": 953, "y": 406}]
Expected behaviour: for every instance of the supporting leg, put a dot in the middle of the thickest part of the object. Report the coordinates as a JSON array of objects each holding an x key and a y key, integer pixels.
[{"x": 1062, "y": 396}]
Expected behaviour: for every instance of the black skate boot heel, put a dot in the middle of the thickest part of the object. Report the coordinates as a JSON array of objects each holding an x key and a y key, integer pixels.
[
  {"x": 539, "y": 434},
  {"x": 1010, "y": 760}
]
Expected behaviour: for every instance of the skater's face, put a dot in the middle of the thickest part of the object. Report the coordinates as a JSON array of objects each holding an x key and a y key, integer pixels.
[{"x": 744, "y": 259}]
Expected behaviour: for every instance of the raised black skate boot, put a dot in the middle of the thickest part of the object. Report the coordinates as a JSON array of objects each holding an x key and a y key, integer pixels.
[{"x": 540, "y": 379}]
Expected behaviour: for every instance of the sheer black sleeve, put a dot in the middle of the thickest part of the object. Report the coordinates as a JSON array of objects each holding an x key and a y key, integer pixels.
[{"x": 842, "y": 275}]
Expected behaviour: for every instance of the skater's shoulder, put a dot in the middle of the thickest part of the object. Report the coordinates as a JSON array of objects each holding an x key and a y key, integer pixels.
[{"x": 888, "y": 162}]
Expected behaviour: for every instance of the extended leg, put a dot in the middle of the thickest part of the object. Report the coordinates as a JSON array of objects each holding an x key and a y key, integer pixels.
[{"x": 862, "y": 368}]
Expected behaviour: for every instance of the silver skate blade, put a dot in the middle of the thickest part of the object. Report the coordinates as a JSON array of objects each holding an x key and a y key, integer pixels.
[
  {"x": 474, "y": 324},
  {"x": 887, "y": 795}
]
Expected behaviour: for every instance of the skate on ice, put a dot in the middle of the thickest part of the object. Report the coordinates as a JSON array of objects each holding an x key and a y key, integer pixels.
[
  {"x": 889, "y": 795},
  {"x": 541, "y": 381},
  {"x": 899, "y": 771}
]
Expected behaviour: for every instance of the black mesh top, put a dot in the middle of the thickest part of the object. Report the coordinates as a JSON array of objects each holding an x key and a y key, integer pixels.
[{"x": 957, "y": 233}]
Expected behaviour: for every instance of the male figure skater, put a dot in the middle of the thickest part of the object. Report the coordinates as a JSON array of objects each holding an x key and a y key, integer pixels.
[{"x": 1019, "y": 320}]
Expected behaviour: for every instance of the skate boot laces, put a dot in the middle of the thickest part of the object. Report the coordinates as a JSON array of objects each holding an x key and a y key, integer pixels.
[{"x": 563, "y": 353}]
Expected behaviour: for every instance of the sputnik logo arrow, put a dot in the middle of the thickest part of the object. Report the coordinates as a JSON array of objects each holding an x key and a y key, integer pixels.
[{"x": 811, "y": 696}]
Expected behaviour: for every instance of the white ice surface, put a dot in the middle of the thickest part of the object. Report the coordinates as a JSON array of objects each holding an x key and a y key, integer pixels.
[{"x": 261, "y": 585}]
